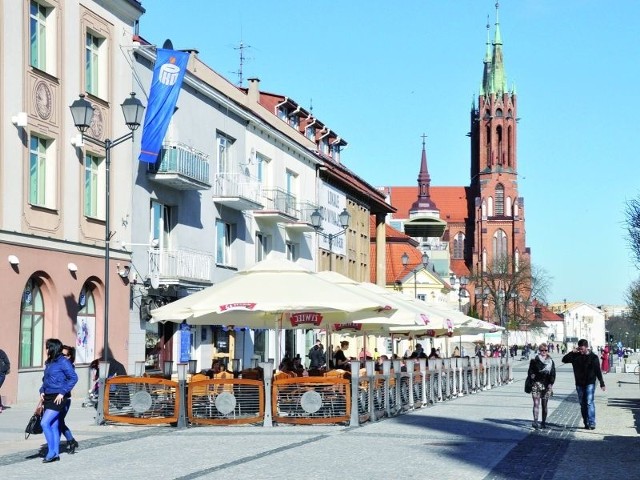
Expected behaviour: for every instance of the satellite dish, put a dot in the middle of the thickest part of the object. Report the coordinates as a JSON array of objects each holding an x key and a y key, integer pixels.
[{"x": 167, "y": 45}]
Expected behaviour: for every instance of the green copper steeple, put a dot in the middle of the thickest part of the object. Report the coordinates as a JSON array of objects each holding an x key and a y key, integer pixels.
[
  {"x": 485, "y": 87},
  {"x": 498, "y": 75}
]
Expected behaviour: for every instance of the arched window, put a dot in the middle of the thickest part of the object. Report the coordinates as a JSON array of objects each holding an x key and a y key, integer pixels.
[
  {"x": 490, "y": 206},
  {"x": 499, "y": 112},
  {"x": 31, "y": 325},
  {"x": 508, "y": 205},
  {"x": 516, "y": 208},
  {"x": 499, "y": 246},
  {"x": 516, "y": 260},
  {"x": 484, "y": 210},
  {"x": 458, "y": 245},
  {"x": 499, "y": 199},
  {"x": 484, "y": 260},
  {"x": 86, "y": 326}
]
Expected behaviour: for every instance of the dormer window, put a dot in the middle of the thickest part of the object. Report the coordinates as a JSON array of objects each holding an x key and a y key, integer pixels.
[
  {"x": 283, "y": 114},
  {"x": 335, "y": 152},
  {"x": 310, "y": 133},
  {"x": 294, "y": 121},
  {"x": 324, "y": 146}
]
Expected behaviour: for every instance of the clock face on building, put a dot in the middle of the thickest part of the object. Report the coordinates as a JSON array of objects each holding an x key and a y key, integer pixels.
[{"x": 43, "y": 100}]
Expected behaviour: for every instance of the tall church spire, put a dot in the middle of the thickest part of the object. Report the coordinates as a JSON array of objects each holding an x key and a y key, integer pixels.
[
  {"x": 488, "y": 60},
  {"x": 498, "y": 75},
  {"x": 424, "y": 203}
]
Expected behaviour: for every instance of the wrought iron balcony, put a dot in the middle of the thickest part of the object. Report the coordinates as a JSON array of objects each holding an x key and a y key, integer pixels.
[
  {"x": 279, "y": 205},
  {"x": 237, "y": 191},
  {"x": 303, "y": 221},
  {"x": 181, "y": 167},
  {"x": 181, "y": 264}
]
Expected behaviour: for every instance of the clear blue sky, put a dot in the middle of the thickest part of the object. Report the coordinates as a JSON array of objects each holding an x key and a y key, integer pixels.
[{"x": 381, "y": 73}]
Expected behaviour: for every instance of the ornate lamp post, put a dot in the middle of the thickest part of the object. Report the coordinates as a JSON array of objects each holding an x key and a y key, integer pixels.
[
  {"x": 82, "y": 113},
  {"x": 316, "y": 222},
  {"x": 424, "y": 264}
]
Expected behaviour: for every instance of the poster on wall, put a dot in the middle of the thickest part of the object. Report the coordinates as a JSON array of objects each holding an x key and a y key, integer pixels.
[
  {"x": 332, "y": 201},
  {"x": 85, "y": 339}
]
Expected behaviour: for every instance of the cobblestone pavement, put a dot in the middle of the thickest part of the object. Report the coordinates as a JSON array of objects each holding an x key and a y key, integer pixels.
[{"x": 481, "y": 436}]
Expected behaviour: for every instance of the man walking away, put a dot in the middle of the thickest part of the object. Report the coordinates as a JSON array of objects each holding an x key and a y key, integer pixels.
[{"x": 586, "y": 368}]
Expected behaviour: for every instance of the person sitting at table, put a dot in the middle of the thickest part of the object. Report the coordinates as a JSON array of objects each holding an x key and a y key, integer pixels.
[
  {"x": 433, "y": 354},
  {"x": 418, "y": 352},
  {"x": 456, "y": 352},
  {"x": 340, "y": 359}
]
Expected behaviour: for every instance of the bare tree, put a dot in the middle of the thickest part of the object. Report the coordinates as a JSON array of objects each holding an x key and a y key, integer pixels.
[
  {"x": 510, "y": 291},
  {"x": 632, "y": 220},
  {"x": 632, "y": 214}
]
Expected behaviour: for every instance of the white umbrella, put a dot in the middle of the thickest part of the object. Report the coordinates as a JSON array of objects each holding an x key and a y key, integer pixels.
[{"x": 272, "y": 291}]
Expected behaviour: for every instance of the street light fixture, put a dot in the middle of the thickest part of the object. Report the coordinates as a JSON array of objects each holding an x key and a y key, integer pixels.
[
  {"x": 424, "y": 264},
  {"x": 82, "y": 113},
  {"x": 316, "y": 222},
  {"x": 462, "y": 288}
]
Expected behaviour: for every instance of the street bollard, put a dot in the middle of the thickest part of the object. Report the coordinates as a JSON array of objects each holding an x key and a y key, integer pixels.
[
  {"x": 386, "y": 373},
  {"x": 397, "y": 372},
  {"x": 410, "y": 364},
  {"x": 267, "y": 372},
  {"x": 355, "y": 386},
  {"x": 103, "y": 372},
  {"x": 422, "y": 362}
]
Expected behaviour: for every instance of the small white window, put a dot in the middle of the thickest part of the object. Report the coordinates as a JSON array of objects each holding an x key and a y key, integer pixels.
[
  {"x": 42, "y": 172},
  {"x": 94, "y": 186},
  {"x": 224, "y": 153},
  {"x": 160, "y": 224},
  {"x": 292, "y": 251},
  {"x": 263, "y": 246},
  {"x": 95, "y": 66},
  {"x": 225, "y": 233},
  {"x": 42, "y": 37}
]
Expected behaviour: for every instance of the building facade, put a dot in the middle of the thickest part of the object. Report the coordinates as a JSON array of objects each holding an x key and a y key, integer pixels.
[{"x": 52, "y": 218}]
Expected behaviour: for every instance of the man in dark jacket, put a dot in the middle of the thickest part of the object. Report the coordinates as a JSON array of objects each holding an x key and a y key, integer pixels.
[
  {"x": 586, "y": 369},
  {"x": 316, "y": 355}
]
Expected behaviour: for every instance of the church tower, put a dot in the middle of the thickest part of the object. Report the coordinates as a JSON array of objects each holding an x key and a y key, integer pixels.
[{"x": 497, "y": 228}]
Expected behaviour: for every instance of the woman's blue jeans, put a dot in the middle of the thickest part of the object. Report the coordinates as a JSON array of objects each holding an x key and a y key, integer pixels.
[{"x": 587, "y": 407}]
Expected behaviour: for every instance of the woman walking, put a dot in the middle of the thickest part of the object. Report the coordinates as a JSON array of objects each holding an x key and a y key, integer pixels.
[
  {"x": 69, "y": 353},
  {"x": 605, "y": 359},
  {"x": 59, "y": 379},
  {"x": 542, "y": 372}
]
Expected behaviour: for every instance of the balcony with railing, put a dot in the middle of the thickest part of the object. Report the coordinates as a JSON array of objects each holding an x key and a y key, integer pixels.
[
  {"x": 237, "y": 191},
  {"x": 303, "y": 222},
  {"x": 181, "y": 167},
  {"x": 279, "y": 206},
  {"x": 174, "y": 266}
]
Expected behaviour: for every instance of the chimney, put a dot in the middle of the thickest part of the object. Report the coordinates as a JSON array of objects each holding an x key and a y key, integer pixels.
[{"x": 254, "y": 90}]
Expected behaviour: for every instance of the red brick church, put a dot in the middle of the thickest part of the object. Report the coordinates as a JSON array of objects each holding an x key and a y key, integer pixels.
[{"x": 464, "y": 228}]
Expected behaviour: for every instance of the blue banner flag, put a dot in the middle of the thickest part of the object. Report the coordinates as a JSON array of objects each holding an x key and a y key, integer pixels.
[{"x": 168, "y": 74}]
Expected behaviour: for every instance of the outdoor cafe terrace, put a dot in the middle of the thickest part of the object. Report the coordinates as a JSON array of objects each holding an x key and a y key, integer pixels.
[{"x": 261, "y": 396}]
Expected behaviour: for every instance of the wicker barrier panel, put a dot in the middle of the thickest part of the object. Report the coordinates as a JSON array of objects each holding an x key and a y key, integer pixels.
[
  {"x": 228, "y": 401},
  {"x": 311, "y": 400},
  {"x": 141, "y": 400}
]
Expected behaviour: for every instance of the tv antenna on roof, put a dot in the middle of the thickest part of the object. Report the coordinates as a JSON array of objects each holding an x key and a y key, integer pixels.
[{"x": 242, "y": 47}]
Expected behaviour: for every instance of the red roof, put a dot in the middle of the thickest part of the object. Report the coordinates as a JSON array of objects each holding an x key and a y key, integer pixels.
[
  {"x": 451, "y": 201},
  {"x": 396, "y": 245}
]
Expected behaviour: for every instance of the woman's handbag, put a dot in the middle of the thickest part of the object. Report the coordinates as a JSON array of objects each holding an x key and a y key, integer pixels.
[
  {"x": 33, "y": 426},
  {"x": 528, "y": 384}
]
